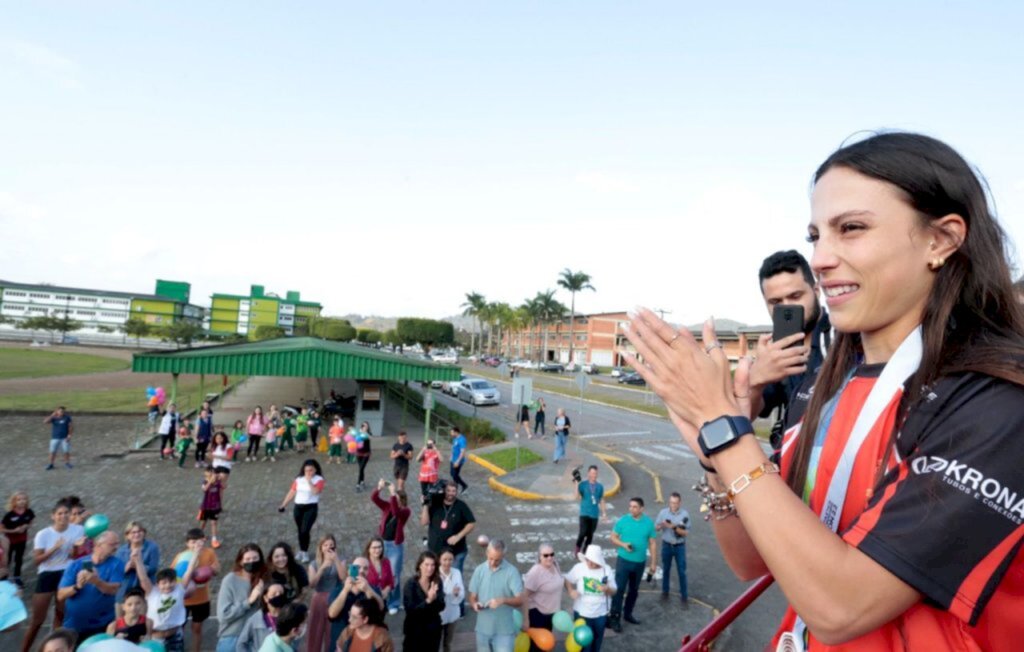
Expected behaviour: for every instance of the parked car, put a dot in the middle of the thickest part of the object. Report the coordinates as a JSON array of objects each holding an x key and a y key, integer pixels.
[
  {"x": 523, "y": 364},
  {"x": 445, "y": 357},
  {"x": 478, "y": 391},
  {"x": 492, "y": 361},
  {"x": 552, "y": 367},
  {"x": 632, "y": 379},
  {"x": 451, "y": 387},
  {"x": 590, "y": 368},
  {"x": 618, "y": 372}
]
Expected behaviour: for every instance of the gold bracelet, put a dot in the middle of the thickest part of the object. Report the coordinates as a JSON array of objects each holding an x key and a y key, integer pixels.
[{"x": 745, "y": 480}]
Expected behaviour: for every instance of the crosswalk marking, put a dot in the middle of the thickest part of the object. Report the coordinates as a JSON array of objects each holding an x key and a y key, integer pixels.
[
  {"x": 561, "y": 520},
  {"x": 649, "y": 453},
  {"x": 676, "y": 449}
]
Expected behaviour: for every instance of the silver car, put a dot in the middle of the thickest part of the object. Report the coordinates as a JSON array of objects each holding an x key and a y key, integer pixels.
[{"x": 478, "y": 392}]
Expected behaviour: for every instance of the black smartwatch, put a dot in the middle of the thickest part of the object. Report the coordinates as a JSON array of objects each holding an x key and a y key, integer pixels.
[{"x": 723, "y": 432}]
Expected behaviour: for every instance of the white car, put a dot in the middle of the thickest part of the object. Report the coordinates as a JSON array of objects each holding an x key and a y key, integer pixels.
[
  {"x": 445, "y": 357},
  {"x": 523, "y": 364},
  {"x": 478, "y": 391}
]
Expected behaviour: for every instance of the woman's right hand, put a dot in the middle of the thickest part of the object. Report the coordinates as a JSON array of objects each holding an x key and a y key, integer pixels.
[{"x": 256, "y": 592}]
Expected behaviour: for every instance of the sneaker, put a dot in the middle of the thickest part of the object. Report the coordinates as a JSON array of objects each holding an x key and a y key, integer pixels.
[
  {"x": 393, "y": 610},
  {"x": 68, "y": 465},
  {"x": 631, "y": 620},
  {"x": 615, "y": 625},
  {"x": 49, "y": 467},
  {"x": 215, "y": 542},
  {"x": 664, "y": 597},
  {"x": 424, "y": 542}
]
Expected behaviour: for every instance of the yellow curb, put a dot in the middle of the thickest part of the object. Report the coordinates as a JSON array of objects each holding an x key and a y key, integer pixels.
[
  {"x": 522, "y": 494},
  {"x": 490, "y": 466},
  {"x": 611, "y": 459}
]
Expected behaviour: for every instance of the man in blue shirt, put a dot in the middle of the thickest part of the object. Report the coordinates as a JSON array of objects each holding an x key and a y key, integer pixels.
[
  {"x": 495, "y": 592},
  {"x": 61, "y": 430},
  {"x": 674, "y": 523},
  {"x": 88, "y": 587},
  {"x": 458, "y": 458},
  {"x": 591, "y": 495}
]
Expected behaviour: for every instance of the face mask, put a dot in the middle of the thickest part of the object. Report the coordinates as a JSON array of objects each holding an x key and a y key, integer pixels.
[
  {"x": 278, "y": 601},
  {"x": 251, "y": 566}
]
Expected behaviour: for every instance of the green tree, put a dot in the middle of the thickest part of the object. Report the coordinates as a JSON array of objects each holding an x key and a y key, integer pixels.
[
  {"x": 266, "y": 332},
  {"x": 549, "y": 310},
  {"x": 181, "y": 332},
  {"x": 42, "y": 323},
  {"x": 368, "y": 335},
  {"x": 425, "y": 332},
  {"x": 136, "y": 328},
  {"x": 475, "y": 302},
  {"x": 336, "y": 330},
  {"x": 574, "y": 282}
]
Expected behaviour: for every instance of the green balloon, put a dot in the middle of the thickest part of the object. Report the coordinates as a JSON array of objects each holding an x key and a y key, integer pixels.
[
  {"x": 95, "y": 638},
  {"x": 153, "y": 645},
  {"x": 562, "y": 621},
  {"x": 96, "y": 525},
  {"x": 517, "y": 618},
  {"x": 583, "y": 635}
]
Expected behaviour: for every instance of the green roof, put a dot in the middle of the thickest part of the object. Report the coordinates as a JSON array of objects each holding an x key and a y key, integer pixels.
[{"x": 303, "y": 357}]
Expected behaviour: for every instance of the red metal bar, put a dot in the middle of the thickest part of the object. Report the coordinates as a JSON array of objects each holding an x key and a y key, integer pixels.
[{"x": 701, "y": 642}]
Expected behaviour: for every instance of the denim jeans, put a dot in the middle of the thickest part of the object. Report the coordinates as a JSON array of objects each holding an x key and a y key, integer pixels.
[
  {"x": 495, "y": 642},
  {"x": 175, "y": 642},
  {"x": 560, "y": 439},
  {"x": 227, "y": 644},
  {"x": 627, "y": 578},
  {"x": 396, "y": 555},
  {"x": 460, "y": 561},
  {"x": 597, "y": 626},
  {"x": 668, "y": 553}
]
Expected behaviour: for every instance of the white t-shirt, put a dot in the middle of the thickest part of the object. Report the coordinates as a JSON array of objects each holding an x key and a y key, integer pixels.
[
  {"x": 47, "y": 538},
  {"x": 592, "y": 602},
  {"x": 304, "y": 490},
  {"x": 166, "y": 610},
  {"x": 222, "y": 457},
  {"x": 452, "y": 611}
]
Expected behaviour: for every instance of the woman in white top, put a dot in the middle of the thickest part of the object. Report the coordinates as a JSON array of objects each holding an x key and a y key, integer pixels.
[
  {"x": 52, "y": 551},
  {"x": 591, "y": 585},
  {"x": 454, "y": 595},
  {"x": 305, "y": 490},
  {"x": 222, "y": 453}
]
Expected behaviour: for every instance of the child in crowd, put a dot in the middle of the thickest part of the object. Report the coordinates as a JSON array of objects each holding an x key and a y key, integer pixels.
[
  {"x": 336, "y": 437},
  {"x": 209, "y": 510},
  {"x": 59, "y": 640},
  {"x": 77, "y": 515},
  {"x": 270, "y": 440},
  {"x": 204, "y": 433},
  {"x": 289, "y": 424},
  {"x": 314, "y": 428},
  {"x": 133, "y": 626},
  {"x": 301, "y": 430},
  {"x": 197, "y": 605},
  {"x": 237, "y": 438},
  {"x": 166, "y": 602},
  {"x": 16, "y": 523},
  {"x": 181, "y": 447}
]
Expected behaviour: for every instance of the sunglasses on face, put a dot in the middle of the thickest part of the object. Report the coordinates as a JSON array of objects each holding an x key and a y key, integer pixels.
[{"x": 547, "y": 554}]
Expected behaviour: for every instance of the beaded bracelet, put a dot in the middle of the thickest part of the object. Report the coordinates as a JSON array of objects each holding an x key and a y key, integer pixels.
[{"x": 713, "y": 503}]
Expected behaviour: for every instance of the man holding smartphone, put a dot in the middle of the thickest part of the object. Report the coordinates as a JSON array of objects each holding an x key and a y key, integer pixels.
[
  {"x": 784, "y": 371},
  {"x": 634, "y": 534},
  {"x": 674, "y": 524}
]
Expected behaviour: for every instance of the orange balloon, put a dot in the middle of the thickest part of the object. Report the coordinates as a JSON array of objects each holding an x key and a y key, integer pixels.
[{"x": 542, "y": 638}]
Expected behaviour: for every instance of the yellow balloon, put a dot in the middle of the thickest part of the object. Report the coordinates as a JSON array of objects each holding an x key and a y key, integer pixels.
[
  {"x": 579, "y": 621},
  {"x": 571, "y": 645},
  {"x": 522, "y": 642}
]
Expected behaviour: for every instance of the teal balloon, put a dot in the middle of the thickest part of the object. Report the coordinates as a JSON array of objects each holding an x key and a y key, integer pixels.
[
  {"x": 562, "y": 621},
  {"x": 95, "y": 638},
  {"x": 583, "y": 635},
  {"x": 181, "y": 569},
  {"x": 96, "y": 525},
  {"x": 153, "y": 646},
  {"x": 517, "y": 618}
]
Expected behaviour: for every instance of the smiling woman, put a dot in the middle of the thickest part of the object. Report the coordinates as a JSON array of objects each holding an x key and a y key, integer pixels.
[{"x": 912, "y": 431}]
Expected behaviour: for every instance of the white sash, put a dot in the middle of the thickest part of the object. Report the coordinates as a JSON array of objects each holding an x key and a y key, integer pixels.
[{"x": 900, "y": 367}]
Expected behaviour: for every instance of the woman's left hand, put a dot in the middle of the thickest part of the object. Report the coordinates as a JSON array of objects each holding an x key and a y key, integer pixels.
[{"x": 693, "y": 380}]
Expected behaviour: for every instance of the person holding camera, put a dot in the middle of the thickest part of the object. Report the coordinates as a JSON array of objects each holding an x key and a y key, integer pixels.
[
  {"x": 394, "y": 514},
  {"x": 674, "y": 524},
  {"x": 591, "y": 495},
  {"x": 562, "y": 425},
  {"x": 634, "y": 534},
  {"x": 591, "y": 584},
  {"x": 88, "y": 588},
  {"x": 449, "y": 521},
  {"x": 429, "y": 459}
]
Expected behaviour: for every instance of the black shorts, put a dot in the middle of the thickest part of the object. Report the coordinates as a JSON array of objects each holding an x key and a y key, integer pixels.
[
  {"x": 402, "y": 472},
  {"x": 198, "y": 612},
  {"x": 222, "y": 470},
  {"x": 48, "y": 581},
  {"x": 209, "y": 514}
]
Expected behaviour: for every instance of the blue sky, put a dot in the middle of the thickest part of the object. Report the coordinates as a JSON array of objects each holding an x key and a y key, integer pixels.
[{"x": 389, "y": 157}]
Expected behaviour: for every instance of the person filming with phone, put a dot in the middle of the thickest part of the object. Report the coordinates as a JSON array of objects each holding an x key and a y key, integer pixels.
[
  {"x": 449, "y": 521},
  {"x": 787, "y": 363}
]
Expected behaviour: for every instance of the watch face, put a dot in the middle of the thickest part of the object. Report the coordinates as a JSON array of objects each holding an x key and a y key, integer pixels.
[{"x": 716, "y": 433}]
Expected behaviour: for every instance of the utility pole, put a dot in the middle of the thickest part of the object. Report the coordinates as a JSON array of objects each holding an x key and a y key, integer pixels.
[{"x": 662, "y": 313}]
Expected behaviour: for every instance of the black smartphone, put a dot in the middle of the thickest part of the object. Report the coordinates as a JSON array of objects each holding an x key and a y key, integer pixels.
[
  {"x": 787, "y": 319},
  {"x": 87, "y": 566}
]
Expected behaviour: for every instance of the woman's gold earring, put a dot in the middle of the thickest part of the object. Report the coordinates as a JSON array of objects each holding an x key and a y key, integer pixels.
[{"x": 936, "y": 263}]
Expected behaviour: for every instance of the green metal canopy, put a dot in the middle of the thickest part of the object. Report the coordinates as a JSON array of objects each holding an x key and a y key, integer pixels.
[{"x": 303, "y": 357}]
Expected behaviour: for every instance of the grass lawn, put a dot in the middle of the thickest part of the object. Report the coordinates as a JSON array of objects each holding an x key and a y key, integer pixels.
[
  {"x": 33, "y": 363},
  {"x": 506, "y": 458},
  {"x": 113, "y": 400}
]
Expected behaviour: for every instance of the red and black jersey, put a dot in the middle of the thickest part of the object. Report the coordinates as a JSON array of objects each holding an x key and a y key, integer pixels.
[{"x": 947, "y": 517}]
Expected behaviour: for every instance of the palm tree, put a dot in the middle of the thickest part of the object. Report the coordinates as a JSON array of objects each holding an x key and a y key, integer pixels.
[
  {"x": 534, "y": 316},
  {"x": 488, "y": 315},
  {"x": 521, "y": 319},
  {"x": 471, "y": 308},
  {"x": 574, "y": 282},
  {"x": 549, "y": 310},
  {"x": 503, "y": 316}
]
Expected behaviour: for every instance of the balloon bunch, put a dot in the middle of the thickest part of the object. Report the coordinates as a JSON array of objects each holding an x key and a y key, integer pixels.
[
  {"x": 155, "y": 396},
  {"x": 580, "y": 634}
]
